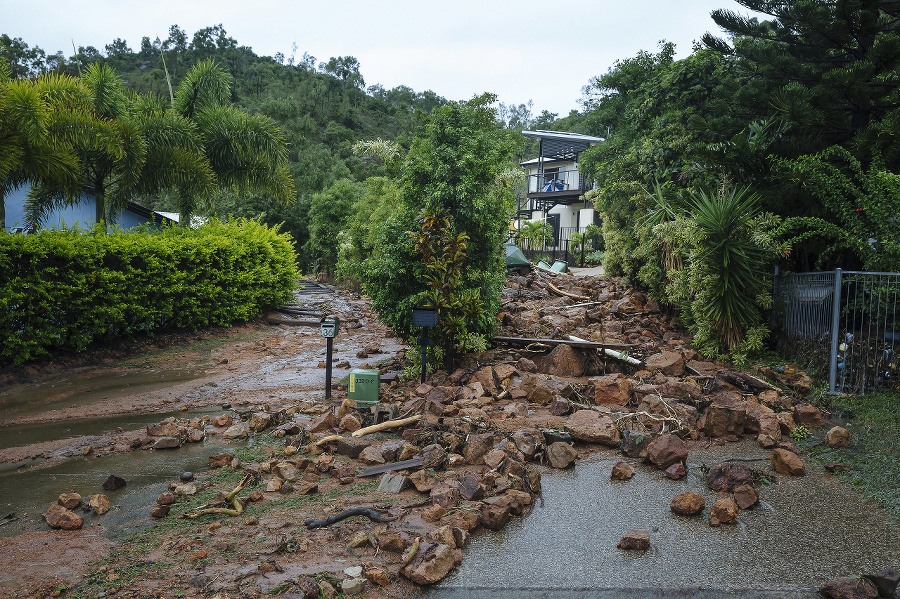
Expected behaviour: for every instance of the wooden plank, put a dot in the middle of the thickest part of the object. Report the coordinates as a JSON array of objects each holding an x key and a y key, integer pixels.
[
  {"x": 586, "y": 344},
  {"x": 405, "y": 464}
]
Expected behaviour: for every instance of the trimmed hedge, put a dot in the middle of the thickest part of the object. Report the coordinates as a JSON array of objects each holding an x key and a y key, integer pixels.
[{"x": 65, "y": 289}]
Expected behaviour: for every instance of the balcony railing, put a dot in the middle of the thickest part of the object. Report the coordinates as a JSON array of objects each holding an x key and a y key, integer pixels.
[{"x": 560, "y": 181}]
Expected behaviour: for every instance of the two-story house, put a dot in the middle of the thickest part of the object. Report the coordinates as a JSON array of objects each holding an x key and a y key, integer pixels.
[{"x": 555, "y": 186}]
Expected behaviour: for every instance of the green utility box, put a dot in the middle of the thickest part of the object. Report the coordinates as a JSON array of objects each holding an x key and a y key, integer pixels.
[{"x": 363, "y": 386}]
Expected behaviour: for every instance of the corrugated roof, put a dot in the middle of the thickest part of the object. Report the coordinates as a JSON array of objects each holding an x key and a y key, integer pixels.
[{"x": 562, "y": 144}]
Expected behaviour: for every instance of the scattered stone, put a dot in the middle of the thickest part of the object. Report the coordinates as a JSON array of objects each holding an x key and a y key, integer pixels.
[
  {"x": 666, "y": 450},
  {"x": 220, "y": 460},
  {"x": 166, "y": 499},
  {"x": 186, "y": 477},
  {"x": 433, "y": 513},
  {"x": 787, "y": 462},
  {"x": 561, "y": 455},
  {"x": 687, "y": 503},
  {"x": 445, "y": 496},
  {"x": 728, "y": 475},
  {"x": 160, "y": 511},
  {"x": 529, "y": 441},
  {"x": 100, "y": 504},
  {"x": 353, "y": 586},
  {"x": 309, "y": 587},
  {"x": 392, "y": 483},
  {"x": 167, "y": 443},
  {"x": 886, "y": 581},
  {"x": 837, "y": 437},
  {"x": 593, "y": 427},
  {"x": 59, "y": 517},
  {"x": 114, "y": 483},
  {"x": 222, "y": 421},
  {"x": 635, "y": 540},
  {"x": 723, "y": 511},
  {"x": 849, "y": 588},
  {"x": 186, "y": 489},
  {"x": 611, "y": 389},
  {"x": 837, "y": 467},
  {"x": 430, "y": 564},
  {"x": 495, "y": 516},
  {"x": 725, "y": 416},
  {"x": 676, "y": 471},
  {"x": 622, "y": 471},
  {"x": 238, "y": 430},
  {"x": 634, "y": 443},
  {"x": 434, "y": 456},
  {"x": 377, "y": 576},
  {"x": 70, "y": 501},
  {"x": 372, "y": 455},
  {"x": 808, "y": 415},
  {"x": 669, "y": 363},
  {"x": 745, "y": 496},
  {"x": 476, "y": 446},
  {"x": 350, "y": 423}
]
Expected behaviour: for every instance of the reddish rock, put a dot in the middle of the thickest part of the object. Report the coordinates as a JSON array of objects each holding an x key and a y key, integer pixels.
[
  {"x": 542, "y": 388},
  {"x": 430, "y": 564},
  {"x": 462, "y": 519},
  {"x": 488, "y": 380},
  {"x": 495, "y": 516},
  {"x": 676, "y": 471},
  {"x": 57, "y": 516},
  {"x": 392, "y": 541},
  {"x": 377, "y": 576},
  {"x": 70, "y": 501},
  {"x": 564, "y": 360},
  {"x": 222, "y": 421},
  {"x": 668, "y": 362},
  {"x": 687, "y": 503},
  {"x": 166, "y": 499},
  {"x": 745, "y": 496},
  {"x": 723, "y": 511},
  {"x": 529, "y": 441},
  {"x": 423, "y": 481},
  {"x": 526, "y": 365},
  {"x": 635, "y": 540},
  {"x": 837, "y": 437},
  {"x": 445, "y": 496},
  {"x": 622, "y": 471},
  {"x": 808, "y": 415},
  {"x": 849, "y": 588},
  {"x": 350, "y": 423},
  {"x": 325, "y": 422},
  {"x": 886, "y": 580},
  {"x": 592, "y": 427},
  {"x": 611, "y": 389},
  {"x": 220, "y": 460},
  {"x": 260, "y": 421},
  {"x": 786, "y": 422},
  {"x": 837, "y": 467},
  {"x": 786, "y": 462},
  {"x": 680, "y": 389},
  {"x": 160, "y": 511},
  {"x": 561, "y": 455},
  {"x": 476, "y": 447},
  {"x": 724, "y": 417},
  {"x": 728, "y": 475},
  {"x": 666, "y": 450}
]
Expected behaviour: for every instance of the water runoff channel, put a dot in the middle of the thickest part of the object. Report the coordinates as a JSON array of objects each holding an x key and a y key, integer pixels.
[{"x": 28, "y": 491}]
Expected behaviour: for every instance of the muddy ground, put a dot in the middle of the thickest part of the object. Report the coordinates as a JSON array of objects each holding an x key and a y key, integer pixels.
[{"x": 484, "y": 433}]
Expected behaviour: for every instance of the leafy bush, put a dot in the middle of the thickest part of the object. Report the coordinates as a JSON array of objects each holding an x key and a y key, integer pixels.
[{"x": 64, "y": 289}]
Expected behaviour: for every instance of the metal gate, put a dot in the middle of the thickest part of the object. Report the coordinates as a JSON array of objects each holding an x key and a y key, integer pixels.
[{"x": 848, "y": 318}]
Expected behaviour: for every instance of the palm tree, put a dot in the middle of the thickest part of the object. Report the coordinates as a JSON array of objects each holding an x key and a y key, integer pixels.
[
  {"x": 247, "y": 152},
  {"x": 28, "y": 151}
]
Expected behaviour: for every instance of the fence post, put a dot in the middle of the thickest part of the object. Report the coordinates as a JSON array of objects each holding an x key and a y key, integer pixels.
[{"x": 835, "y": 323}]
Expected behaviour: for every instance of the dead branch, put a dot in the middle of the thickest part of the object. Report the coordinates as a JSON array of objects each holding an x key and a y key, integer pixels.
[
  {"x": 348, "y": 513},
  {"x": 559, "y": 291},
  {"x": 216, "y": 507},
  {"x": 328, "y": 439},
  {"x": 386, "y": 425}
]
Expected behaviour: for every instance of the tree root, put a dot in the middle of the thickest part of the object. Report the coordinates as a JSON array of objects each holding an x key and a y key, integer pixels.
[
  {"x": 216, "y": 507},
  {"x": 355, "y": 511}
]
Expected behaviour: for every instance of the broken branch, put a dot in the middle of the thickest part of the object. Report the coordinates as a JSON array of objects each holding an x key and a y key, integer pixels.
[
  {"x": 559, "y": 291},
  {"x": 355, "y": 511},
  {"x": 386, "y": 425},
  {"x": 215, "y": 508}
]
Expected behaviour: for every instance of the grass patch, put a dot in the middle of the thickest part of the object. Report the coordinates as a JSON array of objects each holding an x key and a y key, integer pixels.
[{"x": 875, "y": 447}]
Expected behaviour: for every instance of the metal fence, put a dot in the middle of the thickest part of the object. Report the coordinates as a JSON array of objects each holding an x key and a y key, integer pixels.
[
  {"x": 563, "y": 248},
  {"x": 847, "y": 322}
]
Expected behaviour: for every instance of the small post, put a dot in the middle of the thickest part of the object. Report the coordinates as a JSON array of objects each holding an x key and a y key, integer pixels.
[
  {"x": 329, "y": 329},
  {"x": 425, "y": 318},
  {"x": 835, "y": 323}
]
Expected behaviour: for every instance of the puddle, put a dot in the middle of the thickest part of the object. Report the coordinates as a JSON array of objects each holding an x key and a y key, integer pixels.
[
  {"x": 146, "y": 472},
  {"x": 19, "y": 435},
  {"x": 806, "y": 531},
  {"x": 81, "y": 389}
]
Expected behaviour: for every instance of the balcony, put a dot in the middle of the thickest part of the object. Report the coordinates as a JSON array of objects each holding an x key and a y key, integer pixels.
[{"x": 554, "y": 187}]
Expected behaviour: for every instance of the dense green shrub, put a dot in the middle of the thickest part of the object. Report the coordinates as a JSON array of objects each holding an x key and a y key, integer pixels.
[{"x": 64, "y": 289}]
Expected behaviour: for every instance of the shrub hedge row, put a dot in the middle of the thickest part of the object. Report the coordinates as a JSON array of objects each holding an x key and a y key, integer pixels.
[{"x": 64, "y": 289}]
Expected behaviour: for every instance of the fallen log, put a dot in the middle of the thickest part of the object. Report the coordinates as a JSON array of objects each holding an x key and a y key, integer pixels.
[
  {"x": 559, "y": 291},
  {"x": 274, "y": 318},
  {"x": 623, "y": 356},
  {"x": 328, "y": 439},
  {"x": 388, "y": 424},
  {"x": 355, "y": 511},
  {"x": 585, "y": 344}
]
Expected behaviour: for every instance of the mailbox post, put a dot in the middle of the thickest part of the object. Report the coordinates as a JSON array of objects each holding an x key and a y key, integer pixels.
[
  {"x": 329, "y": 328},
  {"x": 425, "y": 318}
]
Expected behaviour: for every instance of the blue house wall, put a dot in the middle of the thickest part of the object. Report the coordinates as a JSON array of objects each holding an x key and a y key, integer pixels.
[{"x": 81, "y": 215}]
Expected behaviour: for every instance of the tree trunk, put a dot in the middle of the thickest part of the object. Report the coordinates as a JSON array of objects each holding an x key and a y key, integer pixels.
[{"x": 100, "y": 203}]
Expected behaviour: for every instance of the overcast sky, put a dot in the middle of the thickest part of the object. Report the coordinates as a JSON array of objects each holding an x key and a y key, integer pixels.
[{"x": 524, "y": 50}]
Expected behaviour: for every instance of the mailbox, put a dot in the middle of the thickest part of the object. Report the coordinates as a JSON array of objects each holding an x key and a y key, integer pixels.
[
  {"x": 424, "y": 317},
  {"x": 330, "y": 328}
]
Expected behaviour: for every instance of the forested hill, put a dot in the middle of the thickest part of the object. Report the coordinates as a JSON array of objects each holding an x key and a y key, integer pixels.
[{"x": 323, "y": 108}]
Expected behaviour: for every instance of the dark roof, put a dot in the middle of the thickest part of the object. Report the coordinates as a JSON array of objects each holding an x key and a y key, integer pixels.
[{"x": 561, "y": 145}]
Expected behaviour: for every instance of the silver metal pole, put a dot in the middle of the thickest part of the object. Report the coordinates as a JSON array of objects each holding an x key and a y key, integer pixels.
[{"x": 835, "y": 323}]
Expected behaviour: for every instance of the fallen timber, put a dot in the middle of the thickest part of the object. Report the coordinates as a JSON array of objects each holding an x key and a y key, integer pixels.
[{"x": 584, "y": 344}]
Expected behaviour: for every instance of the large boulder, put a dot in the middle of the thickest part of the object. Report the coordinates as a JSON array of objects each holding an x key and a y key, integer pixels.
[
  {"x": 593, "y": 427},
  {"x": 670, "y": 363},
  {"x": 564, "y": 360},
  {"x": 787, "y": 462},
  {"x": 57, "y": 516},
  {"x": 431, "y": 563},
  {"x": 542, "y": 388},
  {"x": 611, "y": 389},
  {"x": 837, "y": 437},
  {"x": 635, "y": 443},
  {"x": 687, "y": 503},
  {"x": 728, "y": 475},
  {"x": 666, "y": 450},
  {"x": 725, "y": 416},
  {"x": 808, "y": 415}
]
